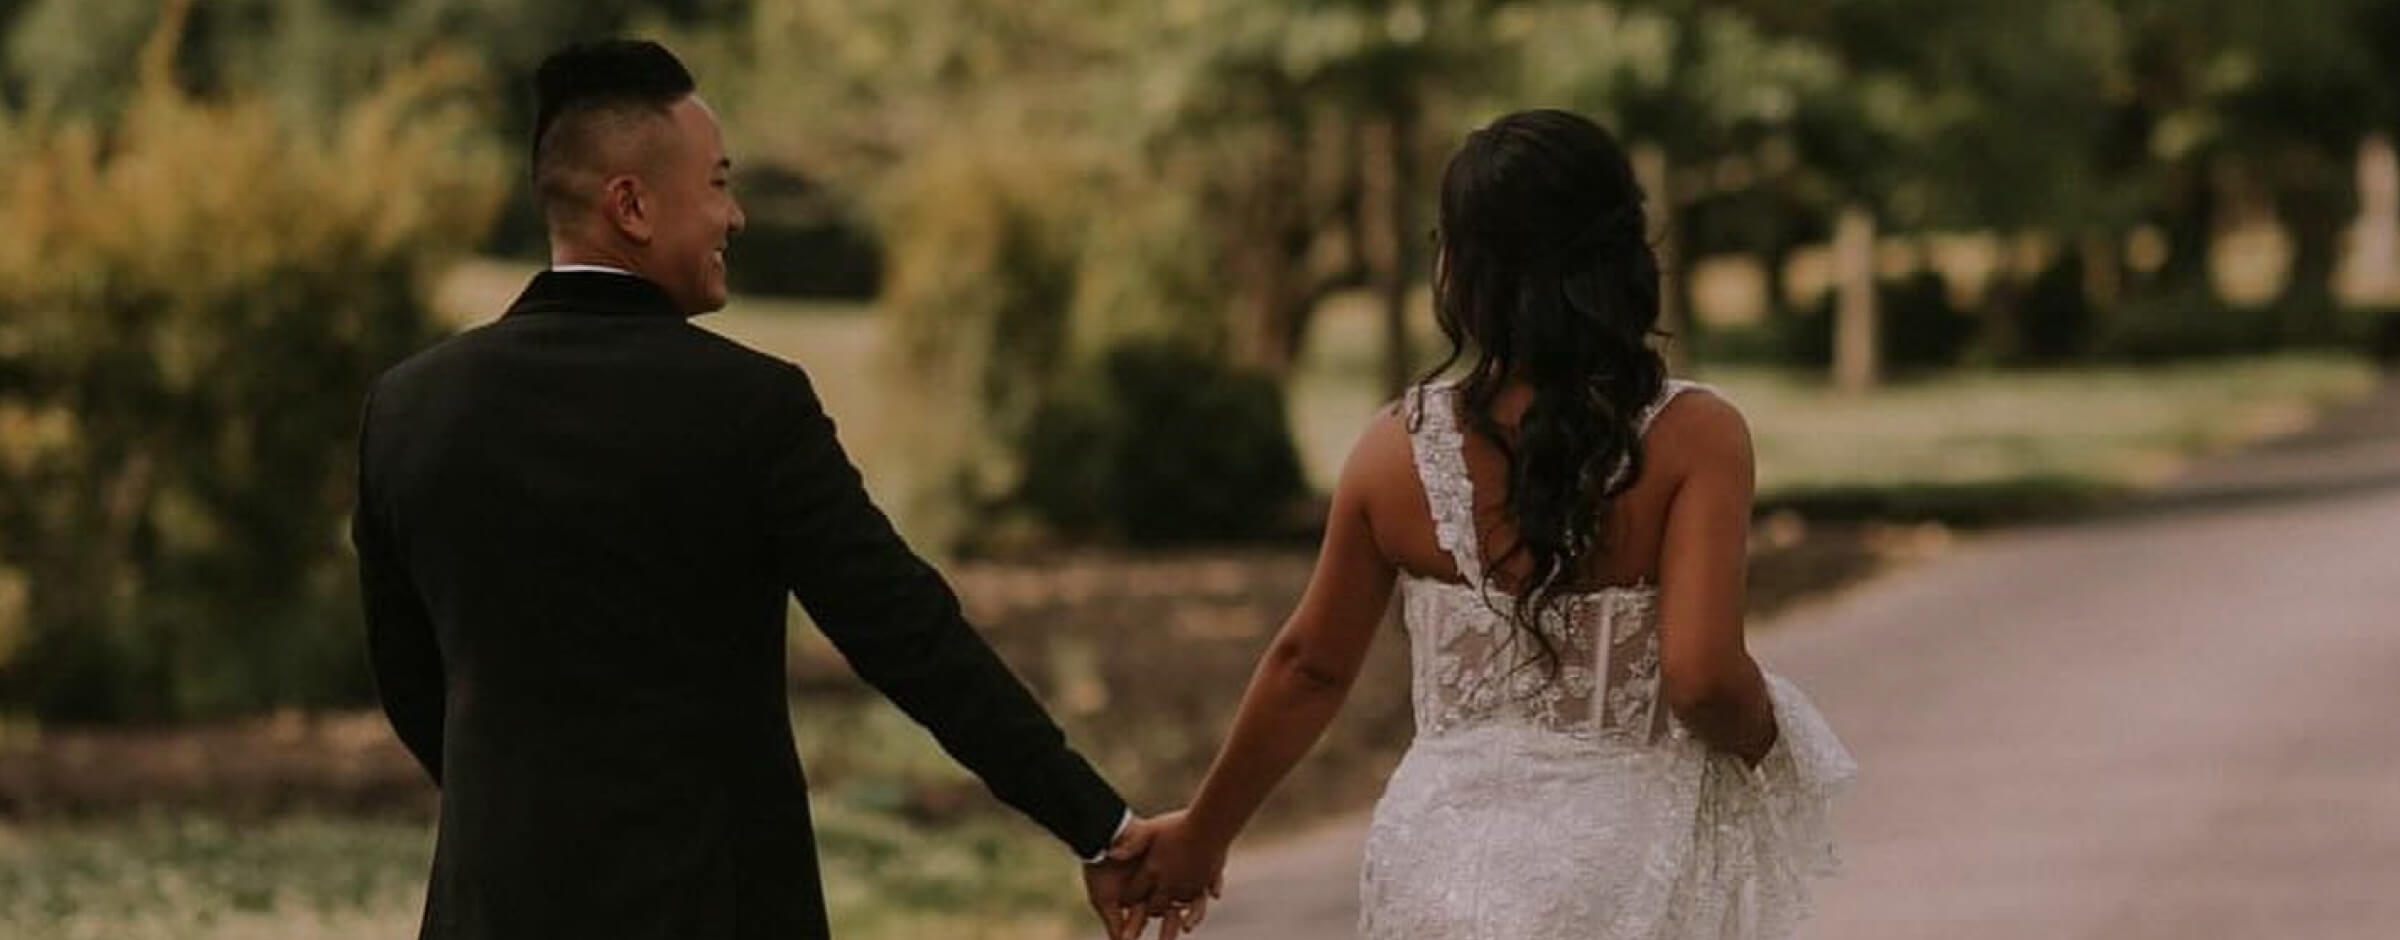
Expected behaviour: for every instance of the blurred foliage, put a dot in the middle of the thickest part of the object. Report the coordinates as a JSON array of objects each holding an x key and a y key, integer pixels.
[
  {"x": 2173, "y": 328},
  {"x": 1202, "y": 173},
  {"x": 1268, "y": 145},
  {"x": 977, "y": 314},
  {"x": 2055, "y": 316},
  {"x": 192, "y": 301},
  {"x": 311, "y": 58},
  {"x": 799, "y": 240},
  {"x": 1923, "y": 331},
  {"x": 1163, "y": 445},
  {"x": 1025, "y": 187},
  {"x": 2384, "y": 337},
  {"x": 312, "y": 55}
]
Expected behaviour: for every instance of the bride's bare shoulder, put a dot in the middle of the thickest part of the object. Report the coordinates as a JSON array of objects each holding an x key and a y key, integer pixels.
[
  {"x": 1700, "y": 430},
  {"x": 1382, "y": 454}
]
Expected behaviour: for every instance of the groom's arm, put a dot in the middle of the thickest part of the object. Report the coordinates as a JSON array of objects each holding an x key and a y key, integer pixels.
[
  {"x": 407, "y": 663},
  {"x": 898, "y": 623}
]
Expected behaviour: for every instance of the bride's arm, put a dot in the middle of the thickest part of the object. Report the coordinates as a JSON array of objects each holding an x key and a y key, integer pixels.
[
  {"x": 1300, "y": 681},
  {"x": 1708, "y": 677}
]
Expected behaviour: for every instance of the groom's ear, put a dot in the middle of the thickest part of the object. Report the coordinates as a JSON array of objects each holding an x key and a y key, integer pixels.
[{"x": 628, "y": 205}]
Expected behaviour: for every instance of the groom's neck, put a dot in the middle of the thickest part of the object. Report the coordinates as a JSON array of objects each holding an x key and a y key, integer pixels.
[{"x": 563, "y": 255}]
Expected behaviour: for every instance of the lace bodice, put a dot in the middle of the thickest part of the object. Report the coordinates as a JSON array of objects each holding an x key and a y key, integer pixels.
[
  {"x": 1472, "y": 666},
  {"x": 1575, "y": 808}
]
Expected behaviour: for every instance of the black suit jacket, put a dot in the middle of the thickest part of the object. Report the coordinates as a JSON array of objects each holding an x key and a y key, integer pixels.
[{"x": 576, "y": 527}]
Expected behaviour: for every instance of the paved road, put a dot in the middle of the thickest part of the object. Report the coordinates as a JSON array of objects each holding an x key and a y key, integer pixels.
[{"x": 2180, "y": 721}]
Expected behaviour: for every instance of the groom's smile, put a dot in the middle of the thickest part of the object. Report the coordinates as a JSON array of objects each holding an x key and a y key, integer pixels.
[{"x": 698, "y": 214}]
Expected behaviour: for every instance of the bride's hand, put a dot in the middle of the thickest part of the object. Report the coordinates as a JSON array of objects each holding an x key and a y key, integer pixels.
[{"x": 1182, "y": 870}]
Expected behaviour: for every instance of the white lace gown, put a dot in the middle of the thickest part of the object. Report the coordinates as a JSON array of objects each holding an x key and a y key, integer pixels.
[{"x": 1533, "y": 808}]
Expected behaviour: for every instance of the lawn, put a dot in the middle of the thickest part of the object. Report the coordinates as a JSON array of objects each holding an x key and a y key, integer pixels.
[
  {"x": 160, "y": 877},
  {"x": 2114, "y": 425}
]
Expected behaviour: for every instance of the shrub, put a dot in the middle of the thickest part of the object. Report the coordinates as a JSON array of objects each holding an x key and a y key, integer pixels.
[
  {"x": 2385, "y": 342},
  {"x": 1921, "y": 330},
  {"x": 2054, "y": 320},
  {"x": 977, "y": 296},
  {"x": 1164, "y": 445},
  {"x": 1009, "y": 271},
  {"x": 192, "y": 302},
  {"x": 2184, "y": 325},
  {"x": 798, "y": 243}
]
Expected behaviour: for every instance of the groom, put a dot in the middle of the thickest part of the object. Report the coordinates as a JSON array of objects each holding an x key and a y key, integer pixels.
[{"x": 576, "y": 528}]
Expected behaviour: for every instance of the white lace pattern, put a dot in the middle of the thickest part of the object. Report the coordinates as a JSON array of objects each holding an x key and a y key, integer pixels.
[{"x": 1538, "y": 803}]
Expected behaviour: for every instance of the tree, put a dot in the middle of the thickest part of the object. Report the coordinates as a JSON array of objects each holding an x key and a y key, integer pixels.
[
  {"x": 2313, "y": 94},
  {"x": 1330, "y": 112},
  {"x": 1208, "y": 172},
  {"x": 1717, "y": 112},
  {"x": 191, "y": 305}
]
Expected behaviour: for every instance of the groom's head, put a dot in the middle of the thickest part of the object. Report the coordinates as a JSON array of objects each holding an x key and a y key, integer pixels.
[{"x": 631, "y": 168}]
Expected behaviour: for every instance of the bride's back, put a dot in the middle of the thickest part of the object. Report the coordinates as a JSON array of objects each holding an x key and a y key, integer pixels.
[
  {"x": 1628, "y": 536},
  {"x": 1587, "y": 663}
]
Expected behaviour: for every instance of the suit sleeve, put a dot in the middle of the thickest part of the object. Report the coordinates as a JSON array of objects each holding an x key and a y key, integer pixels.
[
  {"x": 406, "y": 661},
  {"x": 899, "y": 624}
]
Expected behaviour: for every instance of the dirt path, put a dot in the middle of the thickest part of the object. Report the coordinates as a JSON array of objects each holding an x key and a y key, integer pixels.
[{"x": 2174, "y": 722}]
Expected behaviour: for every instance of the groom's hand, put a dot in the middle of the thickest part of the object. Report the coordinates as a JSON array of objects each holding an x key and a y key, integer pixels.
[
  {"x": 1104, "y": 885},
  {"x": 1109, "y": 883},
  {"x": 1180, "y": 873}
]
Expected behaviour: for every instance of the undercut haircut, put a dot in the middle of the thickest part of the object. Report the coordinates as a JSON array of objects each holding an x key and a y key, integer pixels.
[{"x": 589, "y": 96}]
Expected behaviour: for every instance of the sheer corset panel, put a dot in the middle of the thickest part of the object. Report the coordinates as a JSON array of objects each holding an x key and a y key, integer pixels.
[
  {"x": 1552, "y": 797},
  {"x": 1599, "y": 677}
]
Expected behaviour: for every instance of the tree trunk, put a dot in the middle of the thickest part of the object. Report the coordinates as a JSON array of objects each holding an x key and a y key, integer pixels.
[
  {"x": 2103, "y": 251},
  {"x": 1269, "y": 255},
  {"x": 2188, "y": 219},
  {"x": 1389, "y": 174},
  {"x": 2374, "y": 264},
  {"x": 1857, "y": 365},
  {"x": 2307, "y": 303},
  {"x": 1772, "y": 259},
  {"x": 1652, "y": 171},
  {"x": 2314, "y": 210}
]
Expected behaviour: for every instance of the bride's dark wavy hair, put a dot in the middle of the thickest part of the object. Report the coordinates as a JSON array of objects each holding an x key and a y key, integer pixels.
[{"x": 1545, "y": 271}]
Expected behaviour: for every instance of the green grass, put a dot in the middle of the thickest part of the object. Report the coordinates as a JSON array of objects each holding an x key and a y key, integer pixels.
[
  {"x": 911, "y": 845},
  {"x": 887, "y": 877},
  {"x": 2106, "y": 426},
  {"x": 980, "y": 877},
  {"x": 191, "y": 879}
]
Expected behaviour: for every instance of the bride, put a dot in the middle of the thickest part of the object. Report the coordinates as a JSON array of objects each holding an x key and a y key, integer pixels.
[{"x": 1596, "y": 753}]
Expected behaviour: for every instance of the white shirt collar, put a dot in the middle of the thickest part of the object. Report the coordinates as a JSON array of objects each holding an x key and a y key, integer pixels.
[{"x": 590, "y": 269}]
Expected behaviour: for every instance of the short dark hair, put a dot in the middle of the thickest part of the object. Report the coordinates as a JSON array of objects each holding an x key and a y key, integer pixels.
[{"x": 603, "y": 79}]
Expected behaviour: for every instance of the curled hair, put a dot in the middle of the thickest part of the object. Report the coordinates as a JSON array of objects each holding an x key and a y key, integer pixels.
[{"x": 1545, "y": 276}]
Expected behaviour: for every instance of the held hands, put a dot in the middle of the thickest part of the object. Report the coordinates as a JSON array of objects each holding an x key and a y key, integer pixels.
[
  {"x": 1104, "y": 885},
  {"x": 1114, "y": 885},
  {"x": 1159, "y": 867},
  {"x": 1182, "y": 869}
]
